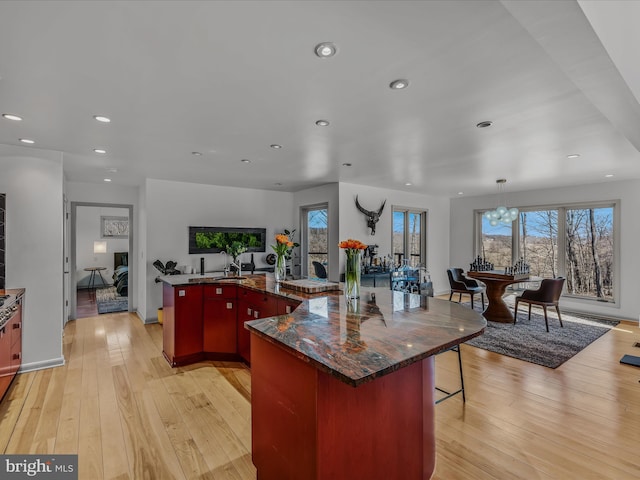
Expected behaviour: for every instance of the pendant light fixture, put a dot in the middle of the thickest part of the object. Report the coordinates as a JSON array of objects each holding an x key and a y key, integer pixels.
[{"x": 502, "y": 214}]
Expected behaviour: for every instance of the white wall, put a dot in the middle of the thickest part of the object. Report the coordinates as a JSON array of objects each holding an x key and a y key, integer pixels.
[
  {"x": 141, "y": 237},
  {"x": 33, "y": 182},
  {"x": 628, "y": 192},
  {"x": 353, "y": 224},
  {"x": 171, "y": 207}
]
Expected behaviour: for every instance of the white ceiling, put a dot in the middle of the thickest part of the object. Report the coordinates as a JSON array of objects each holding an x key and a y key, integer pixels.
[{"x": 228, "y": 79}]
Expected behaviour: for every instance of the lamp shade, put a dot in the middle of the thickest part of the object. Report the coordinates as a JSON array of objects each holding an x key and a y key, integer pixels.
[{"x": 99, "y": 247}]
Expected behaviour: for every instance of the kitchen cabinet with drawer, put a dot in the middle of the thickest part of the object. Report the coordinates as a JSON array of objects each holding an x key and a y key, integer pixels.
[
  {"x": 251, "y": 306},
  {"x": 10, "y": 337},
  {"x": 219, "y": 319},
  {"x": 182, "y": 326}
]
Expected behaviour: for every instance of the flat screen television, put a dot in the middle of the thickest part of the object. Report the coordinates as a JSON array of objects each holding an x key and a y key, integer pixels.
[{"x": 215, "y": 239}]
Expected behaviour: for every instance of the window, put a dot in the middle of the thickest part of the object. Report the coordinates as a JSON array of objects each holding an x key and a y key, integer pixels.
[
  {"x": 496, "y": 244},
  {"x": 315, "y": 237},
  {"x": 590, "y": 252},
  {"x": 538, "y": 241},
  {"x": 409, "y": 237},
  {"x": 574, "y": 241}
]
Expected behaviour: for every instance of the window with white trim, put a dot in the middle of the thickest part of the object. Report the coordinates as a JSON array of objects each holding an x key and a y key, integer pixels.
[{"x": 578, "y": 242}]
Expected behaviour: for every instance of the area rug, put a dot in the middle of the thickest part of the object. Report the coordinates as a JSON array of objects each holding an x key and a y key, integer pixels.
[
  {"x": 529, "y": 340},
  {"x": 108, "y": 301}
]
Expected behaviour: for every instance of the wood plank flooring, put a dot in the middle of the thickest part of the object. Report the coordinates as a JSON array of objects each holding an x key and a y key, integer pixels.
[
  {"x": 86, "y": 305},
  {"x": 128, "y": 415}
]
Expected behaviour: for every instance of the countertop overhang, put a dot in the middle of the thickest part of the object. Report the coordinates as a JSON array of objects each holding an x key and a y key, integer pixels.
[{"x": 360, "y": 340}]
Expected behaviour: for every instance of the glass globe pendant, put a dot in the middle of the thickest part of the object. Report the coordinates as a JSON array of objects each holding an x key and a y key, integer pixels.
[{"x": 502, "y": 214}]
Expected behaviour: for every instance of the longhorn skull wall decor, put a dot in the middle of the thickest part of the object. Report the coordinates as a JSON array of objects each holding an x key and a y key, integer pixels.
[{"x": 372, "y": 217}]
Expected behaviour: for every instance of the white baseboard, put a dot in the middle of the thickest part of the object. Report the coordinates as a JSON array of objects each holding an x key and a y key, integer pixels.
[
  {"x": 33, "y": 366},
  {"x": 146, "y": 321}
]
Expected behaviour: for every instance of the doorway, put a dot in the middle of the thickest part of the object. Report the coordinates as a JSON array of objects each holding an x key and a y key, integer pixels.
[
  {"x": 101, "y": 259},
  {"x": 315, "y": 244}
]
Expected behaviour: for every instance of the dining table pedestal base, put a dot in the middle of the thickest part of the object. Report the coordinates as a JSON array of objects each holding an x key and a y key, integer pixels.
[{"x": 497, "y": 283}]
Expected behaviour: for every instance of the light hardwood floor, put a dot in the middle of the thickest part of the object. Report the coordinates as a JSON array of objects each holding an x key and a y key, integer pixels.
[{"x": 128, "y": 415}]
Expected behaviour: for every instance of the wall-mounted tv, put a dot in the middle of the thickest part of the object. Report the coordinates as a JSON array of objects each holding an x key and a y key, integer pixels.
[{"x": 215, "y": 239}]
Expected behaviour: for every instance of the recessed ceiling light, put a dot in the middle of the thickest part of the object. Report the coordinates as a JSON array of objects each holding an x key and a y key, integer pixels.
[
  {"x": 346, "y": 164},
  {"x": 100, "y": 150},
  {"x": 399, "y": 84},
  {"x": 322, "y": 123},
  {"x": 10, "y": 116},
  {"x": 609, "y": 175},
  {"x": 197, "y": 154},
  {"x": 573, "y": 155},
  {"x": 408, "y": 184},
  {"x": 26, "y": 140},
  {"x": 325, "y": 50},
  {"x": 484, "y": 124},
  {"x": 102, "y": 118},
  {"x": 276, "y": 146},
  {"x": 460, "y": 193},
  {"x": 107, "y": 179},
  {"x": 244, "y": 160}
]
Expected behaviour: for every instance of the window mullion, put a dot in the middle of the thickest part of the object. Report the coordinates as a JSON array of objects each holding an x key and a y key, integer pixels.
[{"x": 562, "y": 242}]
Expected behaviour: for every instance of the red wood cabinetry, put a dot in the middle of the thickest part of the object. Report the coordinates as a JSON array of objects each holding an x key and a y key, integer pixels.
[
  {"x": 10, "y": 345},
  {"x": 307, "y": 424},
  {"x": 182, "y": 326},
  {"x": 251, "y": 306},
  {"x": 219, "y": 318},
  {"x": 5, "y": 359},
  {"x": 206, "y": 321},
  {"x": 16, "y": 340}
]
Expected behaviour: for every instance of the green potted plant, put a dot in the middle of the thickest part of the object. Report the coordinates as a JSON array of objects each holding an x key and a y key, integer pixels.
[{"x": 235, "y": 249}]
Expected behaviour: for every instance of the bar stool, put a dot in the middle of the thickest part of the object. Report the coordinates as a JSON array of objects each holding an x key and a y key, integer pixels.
[{"x": 455, "y": 348}]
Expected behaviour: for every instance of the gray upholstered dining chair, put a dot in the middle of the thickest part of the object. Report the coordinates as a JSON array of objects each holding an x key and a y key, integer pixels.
[
  {"x": 548, "y": 295},
  {"x": 460, "y": 284},
  {"x": 319, "y": 269}
]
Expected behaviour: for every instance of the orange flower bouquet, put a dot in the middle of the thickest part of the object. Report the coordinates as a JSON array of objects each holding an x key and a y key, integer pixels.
[
  {"x": 352, "y": 249},
  {"x": 282, "y": 246}
]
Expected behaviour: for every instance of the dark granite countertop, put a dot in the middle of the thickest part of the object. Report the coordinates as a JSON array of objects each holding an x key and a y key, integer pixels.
[
  {"x": 261, "y": 282},
  {"x": 360, "y": 341}
]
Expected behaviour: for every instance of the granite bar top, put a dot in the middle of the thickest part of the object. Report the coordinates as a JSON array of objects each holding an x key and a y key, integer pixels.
[
  {"x": 359, "y": 341},
  {"x": 262, "y": 282}
]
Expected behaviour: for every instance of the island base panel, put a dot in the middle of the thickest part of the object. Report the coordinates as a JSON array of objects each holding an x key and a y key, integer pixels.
[{"x": 308, "y": 424}]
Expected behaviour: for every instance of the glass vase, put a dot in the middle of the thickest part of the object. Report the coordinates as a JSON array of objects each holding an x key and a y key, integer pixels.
[
  {"x": 280, "y": 269},
  {"x": 352, "y": 275}
]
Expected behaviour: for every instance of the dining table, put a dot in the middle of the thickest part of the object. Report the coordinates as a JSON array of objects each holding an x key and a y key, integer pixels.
[{"x": 497, "y": 282}]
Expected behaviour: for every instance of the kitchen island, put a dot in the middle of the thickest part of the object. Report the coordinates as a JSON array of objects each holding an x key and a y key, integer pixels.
[
  {"x": 339, "y": 389},
  {"x": 345, "y": 389}
]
